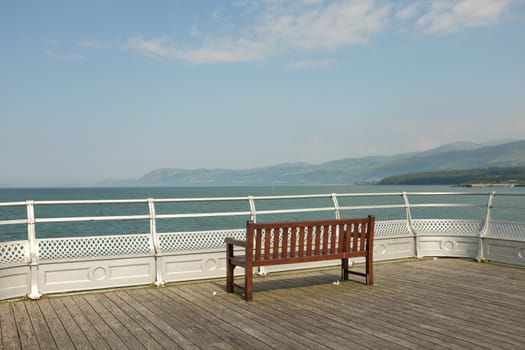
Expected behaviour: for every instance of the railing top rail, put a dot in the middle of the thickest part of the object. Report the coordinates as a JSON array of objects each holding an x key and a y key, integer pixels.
[
  {"x": 298, "y": 210},
  {"x": 13, "y": 222},
  {"x": 446, "y": 205},
  {"x": 298, "y": 196},
  {"x": 91, "y": 201},
  {"x": 202, "y": 215},
  {"x": 361, "y": 207},
  {"x": 370, "y": 194},
  {"x": 447, "y": 193},
  {"x": 199, "y": 199},
  {"x": 246, "y": 198},
  {"x": 93, "y": 218},
  {"x": 12, "y": 204}
]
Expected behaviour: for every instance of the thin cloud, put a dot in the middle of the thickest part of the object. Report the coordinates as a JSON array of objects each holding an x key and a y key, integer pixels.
[
  {"x": 450, "y": 16},
  {"x": 221, "y": 51},
  {"x": 281, "y": 27},
  {"x": 307, "y": 25},
  {"x": 306, "y": 64},
  {"x": 331, "y": 26},
  {"x": 409, "y": 11}
]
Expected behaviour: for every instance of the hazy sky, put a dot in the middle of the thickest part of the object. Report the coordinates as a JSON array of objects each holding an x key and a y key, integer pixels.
[{"x": 93, "y": 90}]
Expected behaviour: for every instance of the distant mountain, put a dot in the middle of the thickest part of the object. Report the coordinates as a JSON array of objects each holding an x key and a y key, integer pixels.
[{"x": 345, "y": 171}]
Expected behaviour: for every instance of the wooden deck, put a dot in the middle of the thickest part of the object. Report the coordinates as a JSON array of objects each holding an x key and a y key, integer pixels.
[{"x": 419, "y": 304}]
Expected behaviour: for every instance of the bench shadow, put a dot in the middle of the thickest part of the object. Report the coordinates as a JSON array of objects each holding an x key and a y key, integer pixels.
[{"x": 292, "y": 280}]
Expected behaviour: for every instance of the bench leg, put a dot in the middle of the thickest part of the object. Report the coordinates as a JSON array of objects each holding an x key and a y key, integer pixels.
[
  {"x": 229, "y": 269},
  {"x": 344, "y": 269},
  {"x": 369, "y": 271},
  {"x": 248, "y": 282},
  {"x": 229, "y": 278}
]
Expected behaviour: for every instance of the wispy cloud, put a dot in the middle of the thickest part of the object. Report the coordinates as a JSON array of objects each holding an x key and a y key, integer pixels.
[
  {"x": 306, "y": 26},
  {"x": 445, "y": 16},
  {"x": 326, "y": 26},
  {"x": 306, "y": 64},
  {"x": 282, "y": 26},
  {"x": 408, "y": 11},
  {"x": 225, "y": 50}
]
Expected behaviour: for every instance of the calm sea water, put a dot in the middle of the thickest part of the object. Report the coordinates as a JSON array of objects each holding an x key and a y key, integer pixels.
[{"x": 46, "y": 230}]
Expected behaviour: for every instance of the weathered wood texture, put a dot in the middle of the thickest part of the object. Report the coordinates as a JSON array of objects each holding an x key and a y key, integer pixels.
[
  {"x": 278, "y": 243},
  {"x": 419, "y": 304}
]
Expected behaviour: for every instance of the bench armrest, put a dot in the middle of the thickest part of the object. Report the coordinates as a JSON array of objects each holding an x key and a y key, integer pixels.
[{"x": 233, "y": 241}]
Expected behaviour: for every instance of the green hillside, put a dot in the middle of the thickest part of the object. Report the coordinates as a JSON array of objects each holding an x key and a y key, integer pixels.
[{"x": 455, "y": 177}]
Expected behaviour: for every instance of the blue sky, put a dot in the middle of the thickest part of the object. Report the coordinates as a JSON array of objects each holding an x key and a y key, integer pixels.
[{"x": 93, "y": 90}]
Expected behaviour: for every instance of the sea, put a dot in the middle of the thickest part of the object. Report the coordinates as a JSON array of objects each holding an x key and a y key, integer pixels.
[{"x": 509, "y": 205}]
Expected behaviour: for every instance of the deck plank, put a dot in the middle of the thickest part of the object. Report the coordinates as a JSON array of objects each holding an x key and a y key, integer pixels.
[
  {"x": 333, "y": 310},
  {"x": 196, "y": 333},
  {"x": 56, "y": 328},
  {"x": 42, "y": 332},
  {"x": 468, "y": 308},
  {"x": 117, "y": 328},
  {"x": 83, "y": 323},
  {"x": 170, "y": 331},
  {"x": 417, "y": 304},
  {"x": 8, "y": 328},
  {"x": 26, "y": 333},
  {"x": 364, "y": 323},
  {"x": 275, "y": 335},
  {"x": 142, "y": 321},
  {"x": 228, "y": 336},
  {"x": 296, "y": 323},
  {"x": 123, "y": 324},
  {"x": 75, "y": 333}
]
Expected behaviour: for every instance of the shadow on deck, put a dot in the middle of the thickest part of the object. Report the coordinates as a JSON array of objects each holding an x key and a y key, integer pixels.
[{"x": 416, "y": 304}]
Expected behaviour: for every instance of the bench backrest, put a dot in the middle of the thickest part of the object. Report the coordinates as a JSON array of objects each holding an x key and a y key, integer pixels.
[{"x": 288, "y": 242}]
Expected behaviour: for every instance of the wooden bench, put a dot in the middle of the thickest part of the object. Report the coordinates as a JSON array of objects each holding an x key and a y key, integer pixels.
[{"x": 296, "y": 242}]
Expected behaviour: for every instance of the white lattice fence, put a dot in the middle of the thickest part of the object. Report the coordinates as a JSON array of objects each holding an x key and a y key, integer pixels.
[
  {"x": 94, "y": 247},
  {"x": 391, "y": 229},
  {"x": 195, "y": 241},
  {"x": 507, "y": 230},
  {"x": 14, "y": 253},
  {"x": 471, "y": 228}
]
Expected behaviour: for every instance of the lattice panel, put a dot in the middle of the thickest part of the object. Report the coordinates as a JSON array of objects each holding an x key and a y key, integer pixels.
[
  {"x": 14, "y": 253},
  {"x": 188, "y": 241},
  {"x": 391, "y": 229},
  {"x": 90, "y": 247},
  {"x": 507, "y": 230},
  {"x": 448, "y": 227}
]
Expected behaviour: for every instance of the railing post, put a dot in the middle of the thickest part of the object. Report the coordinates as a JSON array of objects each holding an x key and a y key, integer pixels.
[
  {"x": 159, "y": 281},
  {"x": 253, "y": 214},
  {"x": 33, "y": 251},
  {"x": 409, "y": 224},
  {"x": 336, "y": 206},
  {"x": 253, "y": 217},
  {"x": 486, "y": 226}
]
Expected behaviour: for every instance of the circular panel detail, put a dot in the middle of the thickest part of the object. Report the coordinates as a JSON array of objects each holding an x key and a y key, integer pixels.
[
  {"x": 380, "y": 249},
  {"x": 447, "y": 245},
  {"x": 210, "y": 265},
  {"x": 99, "y": 273}
]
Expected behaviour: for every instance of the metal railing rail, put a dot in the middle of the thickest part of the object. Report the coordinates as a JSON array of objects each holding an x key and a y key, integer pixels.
[
  {"x": 252, "y": 211},
  {"x": 152, "y": 215}
]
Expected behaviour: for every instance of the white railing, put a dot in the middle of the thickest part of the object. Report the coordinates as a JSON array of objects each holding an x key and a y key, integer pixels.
[{"x": 40, "y": 265}]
